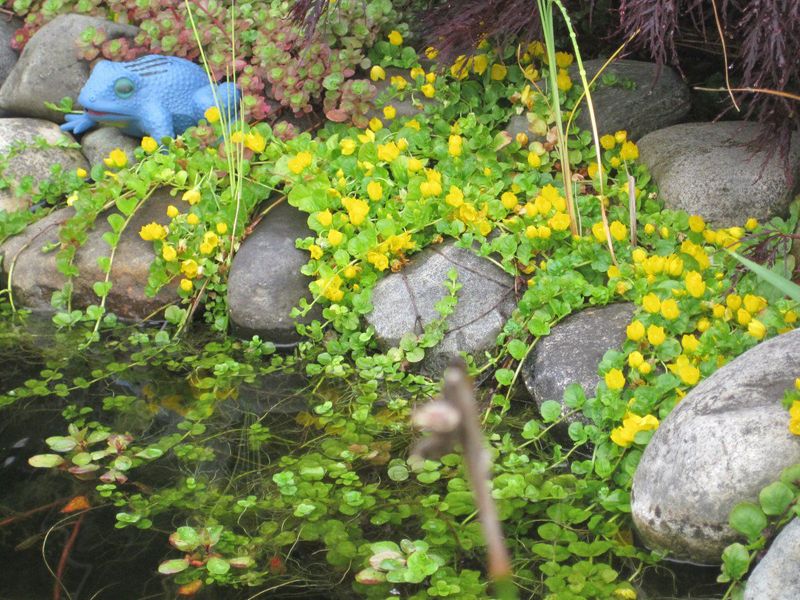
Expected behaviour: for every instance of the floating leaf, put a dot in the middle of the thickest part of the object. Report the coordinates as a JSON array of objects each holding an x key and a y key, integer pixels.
[
  {"x": 76, "y": 504},
  {"x": 170, "y": 567},
  {"x": 61, "y": 444},
  {"x": 370, "y": 576},
  {"x": 45, "y": 461},
  {"x": 218, "y": 566}
]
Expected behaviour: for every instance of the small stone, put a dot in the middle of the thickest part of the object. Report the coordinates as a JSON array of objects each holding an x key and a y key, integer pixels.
[
  {"x": 775, "y": 577},
  {"x": 98, "y": 144},
  {"x": 708, "y": 169},
  {"x": 33, "y": 162},
  {"x": 572, "y": 351},
  {"x": 265, "y": 281},
  {"x": 404, "y": 303},
  {"x": 49, "y": 67},
  {"x": 728, "y": 438},
  {"x": 35, "y": 276},
  {"x": 635, "y": 96}
]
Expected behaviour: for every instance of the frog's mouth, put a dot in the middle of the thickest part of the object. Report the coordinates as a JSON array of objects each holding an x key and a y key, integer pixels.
[{"x": 110, "y": 116}]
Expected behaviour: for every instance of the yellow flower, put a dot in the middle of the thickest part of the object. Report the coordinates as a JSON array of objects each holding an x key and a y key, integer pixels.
[
  {"x": 81, "y": 173},
  {"x": 625, "y": 594},
  {"x": 498, "y": 72},
  {"x": 324, "y": 217},
  {"x": 376, "y": 73},
  {"x": 531, "y": 232},
  {"x": 153, "y": 231},
  {"x": 534, "y": 160},
  {"x": 428, "y": 90},
  {"x": 378, "y": 259},
  {"x": 751, "y": 224},
  {"x": 688, "y": 373},
  {"x": 656, "y": 335},
  {"x": 430, "y": 77},
  {"x": 388, "y": 152},
  {"x": 690, "y": 343},
  {"x": 315, "y": 251},
  {"x": 645, "y": 368},
  {"x": 454, "y": 145},
  {"x": 186, "y": 285},
  {"x": 402, "y": 144},
  {"x": 191, "y": 196},
  {"x": 521, "y": 138},
  {"x": 189, "y": 268},
  {"x": 299, "y": 162},
  {"x": 347, "y": 146},
  {"x": 756, "y": 329},
  {"x": 222, "y": 228},
  {"x": 615, "y": 162},
  {"x": 733, "y": 301},
  {"x": 790, "y": 317},
  {"x": 206, "y": 248},
  {"x": 398, "y": 243},
  {"x": 212, "y": 114},
  {"x": 413, "y": 124},
  {"x": 559, "y": 221},
  {"x": 592, "y": 170},
  {"x": 651, "y": 303},
  {"x": 544, "y": 232},
  {"x": 754, "y": 304},
  {"x": 399, "y": 82},
  {"x": 608, "y": 142},
  {"x": 390, "y": 112},
  {"x": 703, "y": 325},
  {"x": 631, "y": 425},
  {"x": 635, "y": 331},
  {"x": 431, "y": 52},
  {"x": 330, "y": 287},
  {"x": 414, "y": 164},
  {"x": 743, "y": 317},
  {"x": 172, "y": 211},
  {"x": 563, "y": 59},
  {"x": 599, "y": 232},
  {"x": 417, "y": 72},
  {"x": 635, "y": 359},
  {"x": 357, "y": 210},
  {"x": 192, "y": 219},
  {"x": 351, "y": 271},
  {"x": 375, "y": 124},
  {"x": 670, "y": 310},
  {"x": 563, "y": 81},
  {"x": 480, "y": 63},
  {"x": 695, "y": 284},
  {"x": 335, "y": 237},
  {"x": 395, "y": 38},
  {"x": 618, "y": 231},
  {"x": 629, "y": 151},
  {"x": 509, "y": 200},
  {"x": 638, "y": 255},
  {"x": 149, "y": 145},
  {"x": 649, "y": 229},
  {"x": 116, "y": 158},
  {"x": 455, "y": 197},
  {"x": 374, "y": 190},
  {"x": 430, "y": 188},
  {"x": 615, "y": 380},
  {"x": 696, "y": 223},
  {"x": 255, "y": 141},
  {"x": 168, "y": 253}
]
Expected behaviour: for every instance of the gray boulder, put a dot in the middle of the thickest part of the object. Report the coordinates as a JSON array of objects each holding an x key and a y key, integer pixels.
[
  {"x": 49, "y": 67},
  {"x": 636, "y": 96},
  {"x": 32, "y": 161},
  {"x": 708, "y": 169},
  {"x": 265, "y": 281},
  {"x": 572, "y": 351},
  {"x": 404, "y": 303},
  {"x": 727, "y": 439},
  {"x": 34, "y": 276},
  {"x": 8, "y": 56},
  {"x": 630, "y": 95},
  {"x": 98, "y": 144},
  {"x": 775, "y": 577}
]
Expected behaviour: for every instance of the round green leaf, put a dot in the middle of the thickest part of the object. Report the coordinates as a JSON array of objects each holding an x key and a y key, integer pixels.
[
  {"x": 776, "y": 498},
  {"x": 551, "y": 411},
  {"x": 218, "y": 566},
  {"x": 398, "y": 473},
  {"x": 171, "y": 567},
  {"x": 747, "y": 518}
]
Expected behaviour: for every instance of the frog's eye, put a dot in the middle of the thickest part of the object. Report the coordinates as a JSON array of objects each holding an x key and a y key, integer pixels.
[{"x": 123, "y": 87}]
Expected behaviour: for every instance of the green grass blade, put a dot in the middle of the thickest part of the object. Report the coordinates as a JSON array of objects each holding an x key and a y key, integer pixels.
[{"x": 786, "y": 286}]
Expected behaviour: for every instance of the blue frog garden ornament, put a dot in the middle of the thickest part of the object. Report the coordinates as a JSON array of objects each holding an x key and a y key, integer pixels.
[{"x": 154, "y": 95}]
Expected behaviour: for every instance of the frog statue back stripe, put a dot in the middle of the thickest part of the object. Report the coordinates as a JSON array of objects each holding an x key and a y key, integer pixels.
[{"x": 158, "y": 96}]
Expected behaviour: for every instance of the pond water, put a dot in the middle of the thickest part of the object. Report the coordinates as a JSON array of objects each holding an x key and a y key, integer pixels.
[{"x": 103, "y": 561}]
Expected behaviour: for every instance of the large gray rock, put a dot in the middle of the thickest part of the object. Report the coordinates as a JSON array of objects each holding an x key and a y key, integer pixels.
[
  {"x": 642, "y": 98},
  {"x": 32, "y": 161},
  {"x": 636, "y": 98},
  {"x": 35, "y": 276},
  {"x": 405, "y": 302},
  {"x": 265, "y": 281},
  {"x": 572, "y": 351},
  {"x": 98, "y": 144},
  {"x": 49, "y": 67},
  {"x": 775, "y": 577},
  {"x": 8, "y": 56},
  {"x": 708, "y": 169},
  {"x": 727, "y": 439}
]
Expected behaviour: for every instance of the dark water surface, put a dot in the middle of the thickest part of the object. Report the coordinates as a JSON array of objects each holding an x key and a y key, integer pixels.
[{"x": 106, "y": 563}]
